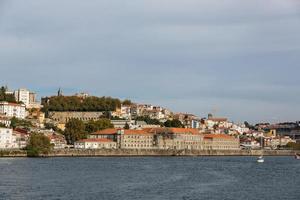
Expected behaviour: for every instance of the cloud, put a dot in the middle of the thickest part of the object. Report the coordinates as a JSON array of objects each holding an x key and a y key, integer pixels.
[{"x": 185, "y": 55}]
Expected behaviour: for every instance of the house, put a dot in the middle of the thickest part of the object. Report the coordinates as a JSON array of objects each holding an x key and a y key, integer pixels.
[
  {"x": 5, "y": 121},
  {"x": 58, "y": 141},
  {"x": 13, "y": 110},
  {"x": 110, "y": 133},
  {"x": 220, "y": 142},
  {"x": 7, "y": 139},
  {"x": 22, "y": 138},
  {"x": 94, "y": 143}
]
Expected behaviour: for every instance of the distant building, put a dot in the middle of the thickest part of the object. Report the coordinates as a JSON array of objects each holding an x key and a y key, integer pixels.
[
  {"x": 21, "y": 138},
  {"x": 120, "y": 123},
  {"x": 5, "y": 120},
  {"x": 178, "y": 138},
  {"x": 13, "y": 110},
  {"x": 58, "y": 141},
  {"x": 95, "y": 144},
  {"x": 64, "y": 117},
  {"x": 82, "y": 95},
  {"x": 136, "y": 139},
  {"x": 26, "y": 97},
  {"x": 22, "y": 95},
  {"x": 160, "y": 138},
  {"x": 220, "y": 142},
  {"x": 7, "y": 139}
]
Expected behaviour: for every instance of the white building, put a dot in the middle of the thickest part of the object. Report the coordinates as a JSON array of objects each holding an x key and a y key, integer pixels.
[
  {"x": 22, "y": 95},
  {"x": 95, "y": 143},
  {"x": 27, "y": 97},
  {"x": 13, "y": 110},
  {"x": 5, "y": 120},
  {"x": 7, "y": 139}
]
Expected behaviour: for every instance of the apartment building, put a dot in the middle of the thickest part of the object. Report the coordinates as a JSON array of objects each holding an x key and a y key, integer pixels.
[{"x": 13, "y": 110}]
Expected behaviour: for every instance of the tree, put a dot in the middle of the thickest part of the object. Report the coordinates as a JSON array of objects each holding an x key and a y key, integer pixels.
[
  {"x": 38, "y": 144},
  {"x": 2, "y": 125},
  {"x": 6, "y": 97},
  {"x": 148, "y": 120},
  {"x": 93, "y": 126},
  {"x": 15, "y": 122},
  {"x": 127, "y": 102},
  {"x": 294, "y": 146},
  {"x": 74, "y": 103},
  {"x": 174, "y": 123},
  {"x": 126, "y": 126},
  {"x": 75, "y": 130}
]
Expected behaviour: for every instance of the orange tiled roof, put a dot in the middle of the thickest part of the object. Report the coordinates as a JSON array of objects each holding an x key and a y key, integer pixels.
[{"x": 184, "y": 130}]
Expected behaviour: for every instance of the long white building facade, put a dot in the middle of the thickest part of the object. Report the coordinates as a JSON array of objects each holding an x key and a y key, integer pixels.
[{"x": 13, "y": 110}]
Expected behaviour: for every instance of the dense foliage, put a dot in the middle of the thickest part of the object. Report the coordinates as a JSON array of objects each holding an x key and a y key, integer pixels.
[
  {"x": 2, "y": 125},
  {"x": 93, "y": 126},
  {"x": 126, "y": 102},
  {"x": 294, "y": 146},
  {"x": 21, "y": 123},
  {"x": 6, "y": 97},
  {"x": 148, "y": 120},
  {"x": 38, "y": 144},
  {"x": 73, "y": 103},
  {"x": 174, "y": 123},
  {"x": 77, "y": 129}
]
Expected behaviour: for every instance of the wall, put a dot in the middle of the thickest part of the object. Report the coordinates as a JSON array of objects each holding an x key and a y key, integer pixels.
[
  {"x": 132, "y": 152},
  {"x": 63, "y": 117}
]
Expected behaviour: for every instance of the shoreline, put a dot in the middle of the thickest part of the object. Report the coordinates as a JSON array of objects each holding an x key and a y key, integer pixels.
[{"x": 148, "y": 153}]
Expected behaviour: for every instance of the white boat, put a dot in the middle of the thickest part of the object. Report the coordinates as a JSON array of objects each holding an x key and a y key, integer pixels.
[
  {"x": 297, "y": 156},
  {"x": 260, "y": 159}
]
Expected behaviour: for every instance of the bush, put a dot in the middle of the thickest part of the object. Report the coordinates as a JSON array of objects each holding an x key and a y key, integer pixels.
[{"x": 38, "y": 144}]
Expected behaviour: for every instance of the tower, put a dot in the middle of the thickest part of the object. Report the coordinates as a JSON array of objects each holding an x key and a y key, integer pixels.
[{"x": 59, "y": 92}]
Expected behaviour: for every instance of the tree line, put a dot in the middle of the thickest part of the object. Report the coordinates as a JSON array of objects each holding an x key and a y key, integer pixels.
[
  {"x": 76, "y": 129},
  {"x": 73, "y": 103},
  {"x": 6, "y": 97}
]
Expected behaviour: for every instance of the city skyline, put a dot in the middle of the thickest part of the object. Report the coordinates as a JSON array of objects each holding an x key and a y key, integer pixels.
[{"x": 237, "y": 59}]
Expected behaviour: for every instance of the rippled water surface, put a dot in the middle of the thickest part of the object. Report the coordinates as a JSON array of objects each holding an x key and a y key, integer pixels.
[{"x": 163, "y": 178}]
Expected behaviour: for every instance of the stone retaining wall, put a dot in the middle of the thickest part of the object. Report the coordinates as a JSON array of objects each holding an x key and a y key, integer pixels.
[{"x": 154, "y": 152}]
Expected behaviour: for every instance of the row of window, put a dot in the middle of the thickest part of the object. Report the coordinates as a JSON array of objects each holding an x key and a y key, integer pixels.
[{"x": 137, "y": 145}]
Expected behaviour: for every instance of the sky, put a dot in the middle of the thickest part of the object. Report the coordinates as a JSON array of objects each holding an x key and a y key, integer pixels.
[{"x": 232, "y": 58}]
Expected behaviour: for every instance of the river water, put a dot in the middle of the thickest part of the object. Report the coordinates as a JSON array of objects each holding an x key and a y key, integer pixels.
[{"x": 151, "y": 178}]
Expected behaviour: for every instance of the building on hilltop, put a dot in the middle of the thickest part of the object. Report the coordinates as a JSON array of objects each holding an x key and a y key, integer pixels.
[{"x": 27, "y": 97}]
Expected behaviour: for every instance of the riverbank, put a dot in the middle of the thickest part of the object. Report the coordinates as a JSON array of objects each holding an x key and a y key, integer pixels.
[{"x": 154, "y": 152}]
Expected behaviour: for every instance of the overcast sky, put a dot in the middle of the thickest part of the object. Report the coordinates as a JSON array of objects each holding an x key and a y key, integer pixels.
[{"x": 235, "y": 58}]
